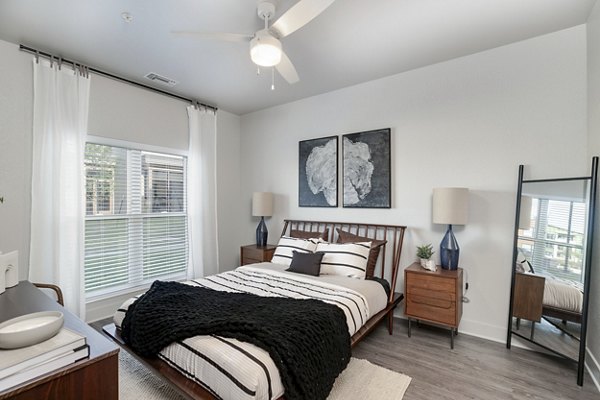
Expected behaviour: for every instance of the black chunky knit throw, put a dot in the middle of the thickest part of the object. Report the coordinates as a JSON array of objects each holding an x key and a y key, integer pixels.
[{"x": 307, "y": 339}]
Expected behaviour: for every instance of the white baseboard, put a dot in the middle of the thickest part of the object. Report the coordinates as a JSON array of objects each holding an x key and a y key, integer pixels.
[
  {"x": 485, "y": 331},
  {"x": 473, "y": 328},
  {"x": 482, "y": 330},
  {"x": 593, "y": 368}
]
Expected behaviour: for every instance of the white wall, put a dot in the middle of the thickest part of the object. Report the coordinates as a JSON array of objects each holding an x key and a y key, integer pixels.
[
  {"x": 593, "y": 75},
  {"x": 117, "y": 111},
  {"x": 228, "y": 190},
  {"x": 466, "y": 122},
  {"x": 126, "y": 112},
  {"x": 16, "y": 116}
]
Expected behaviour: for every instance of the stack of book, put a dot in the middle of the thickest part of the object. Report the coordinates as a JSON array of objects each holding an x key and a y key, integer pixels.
[{"x": 21, "y": 365}]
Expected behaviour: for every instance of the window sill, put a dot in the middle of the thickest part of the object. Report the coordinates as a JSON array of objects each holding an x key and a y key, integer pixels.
[
  {"x": 117, "y": 293},
  {"x": 104, "y": 305}
]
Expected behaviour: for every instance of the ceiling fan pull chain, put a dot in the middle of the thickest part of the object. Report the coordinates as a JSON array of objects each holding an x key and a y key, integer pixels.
[
  {"x": 272, "y": 78},
  {"x": 257, "y": 70}
]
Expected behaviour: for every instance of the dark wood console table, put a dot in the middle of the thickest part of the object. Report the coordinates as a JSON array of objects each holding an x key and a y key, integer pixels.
[{"x": 95, "y": 378}]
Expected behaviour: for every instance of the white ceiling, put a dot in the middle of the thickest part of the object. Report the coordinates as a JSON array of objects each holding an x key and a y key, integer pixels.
[{"x": 353, "y": 41}]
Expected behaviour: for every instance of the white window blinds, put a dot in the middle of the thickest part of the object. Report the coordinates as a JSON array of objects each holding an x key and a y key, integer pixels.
[
  {"x": 554, "y": 244},
  {"x": 136, "y": 224}
]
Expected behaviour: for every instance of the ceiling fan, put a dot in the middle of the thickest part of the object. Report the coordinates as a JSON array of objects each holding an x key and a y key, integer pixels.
[{"x": 265, "y": 44}]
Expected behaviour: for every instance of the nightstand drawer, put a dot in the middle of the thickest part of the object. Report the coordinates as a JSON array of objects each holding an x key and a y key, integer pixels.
[
  {"x": 248, "y": 260},
  {"x": 434, "y": 294},
  {"x": 254, "y": 253},
  {"x": 431, "y": 282},
  {"x": 436, "y": 310}
]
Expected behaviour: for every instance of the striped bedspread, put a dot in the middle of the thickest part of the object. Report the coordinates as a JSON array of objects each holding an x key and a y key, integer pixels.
[{"x": 232, "y": 369}]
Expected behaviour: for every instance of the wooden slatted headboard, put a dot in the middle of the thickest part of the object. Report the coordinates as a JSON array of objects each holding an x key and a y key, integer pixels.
[{"x": 393, "y": 234}]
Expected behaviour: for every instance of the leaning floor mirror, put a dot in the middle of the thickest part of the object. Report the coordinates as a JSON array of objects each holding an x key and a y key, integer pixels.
[{"x": 551, "y": 265}]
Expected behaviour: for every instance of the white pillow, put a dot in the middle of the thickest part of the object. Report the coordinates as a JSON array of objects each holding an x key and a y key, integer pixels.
[
  {"x": 284, "y": 251},
  {"x": 346, "y": 259}
]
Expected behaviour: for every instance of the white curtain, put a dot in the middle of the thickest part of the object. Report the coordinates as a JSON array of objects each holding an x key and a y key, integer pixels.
[
  {"x": 202, "y": 192},
  {"x": 60, "y": 115}
]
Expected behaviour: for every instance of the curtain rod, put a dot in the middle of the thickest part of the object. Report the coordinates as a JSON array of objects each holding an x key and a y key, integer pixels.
[{"x": 117, "y": 78}]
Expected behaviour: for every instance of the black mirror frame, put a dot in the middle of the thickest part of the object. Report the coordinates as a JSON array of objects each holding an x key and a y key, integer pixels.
[{"x": 593, "y": 178}]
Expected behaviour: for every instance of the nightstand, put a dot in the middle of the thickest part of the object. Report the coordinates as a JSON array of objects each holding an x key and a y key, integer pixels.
[
  {"x": 252, "y": 253},
  {"x": 528, "y": 297},
  {"x": 434, "y": 297}
]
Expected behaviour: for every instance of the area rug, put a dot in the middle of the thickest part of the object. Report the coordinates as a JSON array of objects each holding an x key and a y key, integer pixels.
[
  {"x": 363, "y": 380},
  {"x": 360, "y": 380}
]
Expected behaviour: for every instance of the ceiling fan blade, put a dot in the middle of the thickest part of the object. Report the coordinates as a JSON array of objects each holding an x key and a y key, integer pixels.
[
  {"x": 299, "y": 15},
  {"x": 287, "y": 69},
  {"x": 228, "y": 37}
]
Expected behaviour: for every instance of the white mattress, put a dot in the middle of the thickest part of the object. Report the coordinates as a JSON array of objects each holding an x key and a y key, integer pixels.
[
  {"x": 563, "y": 294},
  {"x": 232, "y": 369}
]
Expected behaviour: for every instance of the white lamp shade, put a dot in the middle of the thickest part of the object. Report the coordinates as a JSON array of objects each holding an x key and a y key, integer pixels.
[
  {"x": 262, "y": 204},
  {"x": 525, "y": 213},
  {"x": 450, "y": 206}
]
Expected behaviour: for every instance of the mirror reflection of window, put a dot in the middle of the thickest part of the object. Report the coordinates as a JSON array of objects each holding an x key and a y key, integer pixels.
[{"x": 553, "y": 243}]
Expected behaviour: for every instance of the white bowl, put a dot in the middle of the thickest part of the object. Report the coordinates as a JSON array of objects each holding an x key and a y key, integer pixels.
[{"x": 30, "y": 329}]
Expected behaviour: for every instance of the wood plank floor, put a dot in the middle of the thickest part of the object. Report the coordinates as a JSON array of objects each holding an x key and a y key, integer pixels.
[
  {"x": 475, "y": 369},
  {"x": 550, "y": 336}
]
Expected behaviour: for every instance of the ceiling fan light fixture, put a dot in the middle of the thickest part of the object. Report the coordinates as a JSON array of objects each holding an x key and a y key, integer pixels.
[{"x": 265, "y": 50}]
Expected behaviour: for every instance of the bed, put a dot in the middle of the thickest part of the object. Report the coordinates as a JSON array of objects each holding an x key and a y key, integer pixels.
[
  {"x": 540, "y": 296},
  {"x": 563, "y": 299},
  {"x": 208, "y": 367}
]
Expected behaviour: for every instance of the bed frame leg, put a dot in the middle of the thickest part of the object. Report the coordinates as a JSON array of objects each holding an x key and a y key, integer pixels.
[{"x": 391, "y": 322}]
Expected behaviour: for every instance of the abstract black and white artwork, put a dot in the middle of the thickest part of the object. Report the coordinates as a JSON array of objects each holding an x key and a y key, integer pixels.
[
  {"x": 367, "y": 169},
  {"x": 317, "y": 185}
]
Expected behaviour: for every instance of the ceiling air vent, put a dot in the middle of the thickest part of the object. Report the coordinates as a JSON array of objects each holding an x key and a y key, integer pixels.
[{"x": 163, "y": 80}]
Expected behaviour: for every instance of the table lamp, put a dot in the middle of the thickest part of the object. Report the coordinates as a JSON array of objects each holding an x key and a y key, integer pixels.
[
  {"x": 451, "y": 207},
  {"x": 262, "y": 206}
]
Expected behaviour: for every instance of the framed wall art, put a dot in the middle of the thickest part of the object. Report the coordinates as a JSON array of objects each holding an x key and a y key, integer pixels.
[
  {"x": 367, "y": 169},
  {"x": 317, "y": 172}
]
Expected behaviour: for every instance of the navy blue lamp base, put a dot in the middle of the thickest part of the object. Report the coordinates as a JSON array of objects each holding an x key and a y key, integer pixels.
[
  {"x": 449, "y": 250},
  {"x": 261, "y": 233}
]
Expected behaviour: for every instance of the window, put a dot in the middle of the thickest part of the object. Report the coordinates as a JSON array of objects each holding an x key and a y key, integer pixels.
[
  {"x": 554, "y": 243},
  {"x": 136, "y": 223}
]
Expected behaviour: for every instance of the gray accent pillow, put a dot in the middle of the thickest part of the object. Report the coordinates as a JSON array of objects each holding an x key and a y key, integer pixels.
[{"x": 306, "y": 263}]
